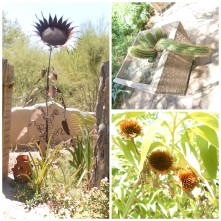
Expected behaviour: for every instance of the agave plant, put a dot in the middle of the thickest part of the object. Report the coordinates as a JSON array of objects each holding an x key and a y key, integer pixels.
[
  {"x": 150, "y": 45},
  {"x": 83, "y": 155},
  {"x": 39, "y": 173}
]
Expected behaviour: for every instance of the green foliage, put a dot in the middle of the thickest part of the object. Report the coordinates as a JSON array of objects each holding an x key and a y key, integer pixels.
[
  {"x": 128, "y": 19},
  {"x": 62, "y": 177},
  {"x": 36, "y": 199},
  {"x": 40, "y": 171},
  {"x": 23, "y": 192},
  {"x": 27, "y": 59},
  {"x": 11, "y": 32},
  {"x": 78, "y": 161},
  {"x": 83, "y": 155},
  {"x": 138, "y": 192},
  {"x": 81, "y": 118},
  {"x": 87, "y": 146},
  {"x": 116, "y": 89},
  {"x": 63, "y": 196},
  {"x": 119, "y": 52},
  {"x": 95, "y": 205},
  {"x": 80, "y": 68}
]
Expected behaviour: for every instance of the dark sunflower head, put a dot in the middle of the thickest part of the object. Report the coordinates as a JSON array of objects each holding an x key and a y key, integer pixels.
[
  {"x": 161, "y": 162},
  {"x": 55, "y": 33},
  {"x": 186, "y": 179},
  {"x": 130, "y": 128}
]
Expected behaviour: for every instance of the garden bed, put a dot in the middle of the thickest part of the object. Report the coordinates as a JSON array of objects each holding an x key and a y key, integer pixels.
[
  {"x": 167, "y": 74},
  {"x": 54, "y": 201}
]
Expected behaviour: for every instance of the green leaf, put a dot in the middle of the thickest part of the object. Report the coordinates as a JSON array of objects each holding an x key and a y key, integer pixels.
[
  {"x": 148, "y": 139},
  {"x": 153, "y": 206},
  {"x": 207, "y": 133},
  {"x": 184, "y": 148},
  {"x": 116, "y": 117},
  {"x": 162, "y": 208},
  {"x": 185, "y": 138},
  {"x": 182, "y": 162},
  {"x": 209, "y": 157},
  {"x": 206, "y": 118},
  {"x": 129, "y": 201},
  {"x": 154, "y": 195},
  {"x": 73, "y": 176},
  {"x": 201, "y": 142},
  {"x": 119, "y": 205},
  {"x": 129, "y": 151},
  {"x": 133, "y": 114},
  {"x": 193, "y": 150},
  {"x": 173, "y": 210},
  {"x": 154, "y": 145}
]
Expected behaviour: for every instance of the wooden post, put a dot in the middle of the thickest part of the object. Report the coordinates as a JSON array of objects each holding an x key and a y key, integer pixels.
[
  {"x": 101, "y": 130},
  {"x": 7, "y": 87}
]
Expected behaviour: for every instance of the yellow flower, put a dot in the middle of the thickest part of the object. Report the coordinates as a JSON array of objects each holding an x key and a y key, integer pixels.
[{"x": 130, "y": 128}]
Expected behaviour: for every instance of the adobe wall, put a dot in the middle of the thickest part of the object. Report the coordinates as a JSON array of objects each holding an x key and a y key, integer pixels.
[{"x": 21, "y": 117}]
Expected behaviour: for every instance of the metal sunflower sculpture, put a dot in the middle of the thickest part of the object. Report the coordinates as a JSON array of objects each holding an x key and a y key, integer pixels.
[{"x": 55, "y": 34}]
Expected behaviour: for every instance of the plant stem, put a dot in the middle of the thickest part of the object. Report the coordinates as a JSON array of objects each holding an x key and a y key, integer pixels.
[
  {"x": 174, "y": 128},
  {"x": 132, "y": 140},
  {"x": 47, "y": 88}
]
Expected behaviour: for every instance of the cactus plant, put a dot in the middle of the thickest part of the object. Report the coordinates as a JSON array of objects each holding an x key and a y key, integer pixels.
[
  {"x": 182, "y": 48},
  {"x": 142, "y": 53},
  {"x": 141, "y": 47},
  {"x": 158, "y": 33},
  {"x": 151, "y": 39},
  {"x": 144, "y": 41},
  {"x": 150, "y": 46}
]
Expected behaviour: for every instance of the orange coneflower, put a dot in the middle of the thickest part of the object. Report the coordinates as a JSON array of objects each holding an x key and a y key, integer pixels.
[
  {"x": 130, "y": 129},
  {"x": 55, "y": 33},
  {"x": 161, "y": 162},
  {"x": 186, "y": 179}
]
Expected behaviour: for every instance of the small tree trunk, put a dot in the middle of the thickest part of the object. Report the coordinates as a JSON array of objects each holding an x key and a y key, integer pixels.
[{"x": 101, "y": 129}]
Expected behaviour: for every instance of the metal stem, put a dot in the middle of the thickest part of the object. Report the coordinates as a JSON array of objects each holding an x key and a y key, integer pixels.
[{"x": 47, "y": 88}]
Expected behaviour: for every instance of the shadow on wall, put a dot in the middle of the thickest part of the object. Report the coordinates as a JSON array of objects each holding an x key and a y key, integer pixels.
[{"x": 21, "y": 117}]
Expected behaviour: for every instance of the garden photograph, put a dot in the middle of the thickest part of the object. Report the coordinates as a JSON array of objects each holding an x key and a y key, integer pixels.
[
  {"x": 165, "y": 165},
  {"x": 55, "y": 105},
  {"x": 110, "y": 110},
  {"x": 165, "y": 55}
]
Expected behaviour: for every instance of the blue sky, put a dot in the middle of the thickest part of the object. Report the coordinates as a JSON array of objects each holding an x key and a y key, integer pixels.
[{"x": 77, "y": 12}]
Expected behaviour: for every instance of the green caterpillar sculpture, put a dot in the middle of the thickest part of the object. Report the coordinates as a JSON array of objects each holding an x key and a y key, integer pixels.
[{"x": 149, "y": 46}]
